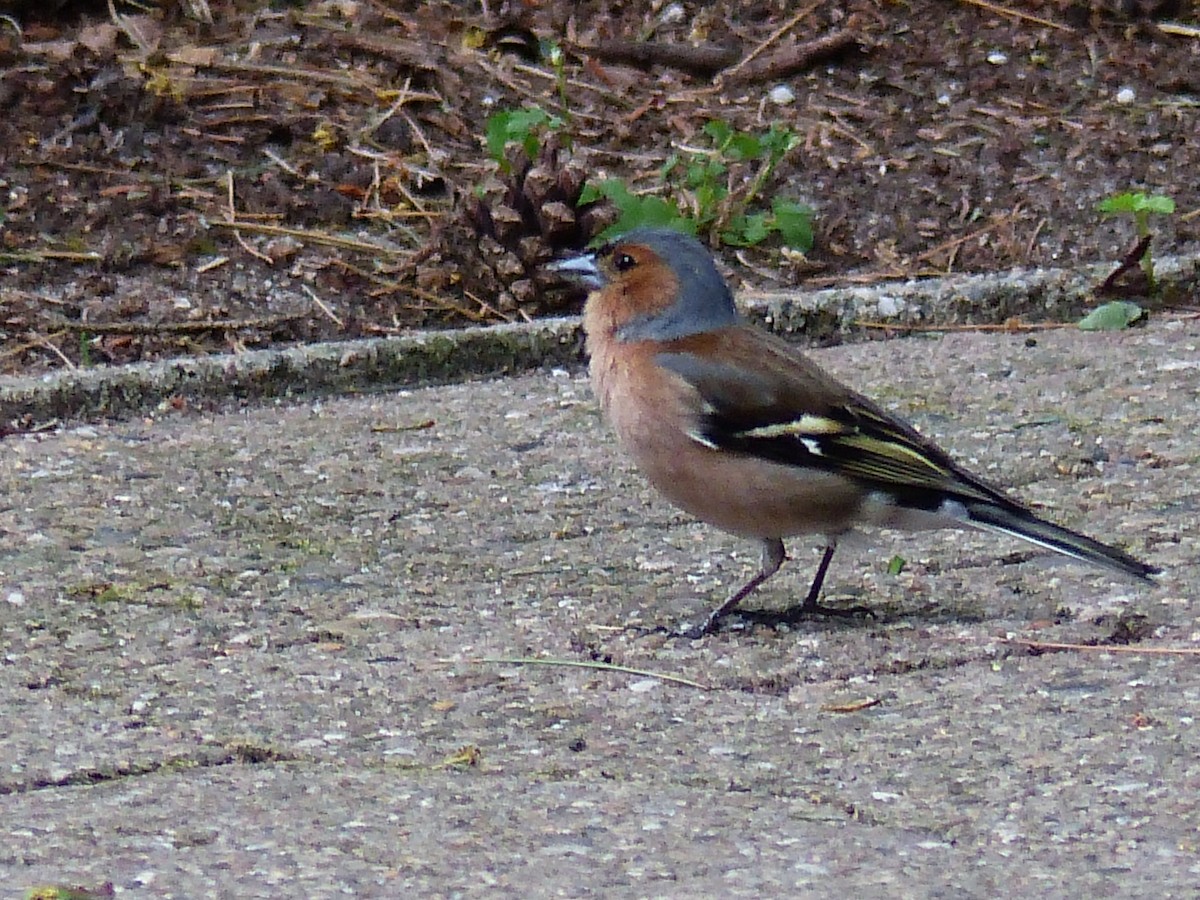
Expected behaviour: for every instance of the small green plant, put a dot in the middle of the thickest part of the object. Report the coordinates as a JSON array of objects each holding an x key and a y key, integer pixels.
[
  {"x": 526, "y": 126},
  {"x": 706, "y": 180},
  {"x": 636, "y": 210},
  {"x": 1140, "y": 207},
  {"x": 708, "y": 198}
]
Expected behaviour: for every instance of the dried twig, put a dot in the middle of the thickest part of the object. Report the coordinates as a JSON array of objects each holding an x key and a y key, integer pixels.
[
  {"x": 956, "y": 242},
  {"x": 1012, "y": 326},
  {"x": 129, "y": 27},
  {"x": 1032, "y": 242},
  {"x": 316, "y": 237},
  {"x": 290, "y": 73},
  {"x": 1016, "y": 14},
  {"x": 703, "y": 61},
  {"x": 11, "y": 352},
  {"x": 611, "y": 96},
  {"x": 237, "y": 235},
  {"x": 851, "y": 707},
  {"x": 798, "y": 58},
  {"x": 413, "y": 54},
  {"x": 590, "y": 664},
  {"x": 1102, "y": 648},
  {"x": 398, "y": 285},
  {"x": 771, "y": 39},
  {"x": 1178, "y": 28},
  {"x": 48, "y": 344},
  {"x": 43, "y": 255},
  {"x": 323, "y": 306},
  {"x": 517, "y": 87}
]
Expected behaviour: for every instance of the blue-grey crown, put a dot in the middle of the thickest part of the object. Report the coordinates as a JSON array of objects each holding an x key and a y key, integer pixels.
[{"x": 704, "y": 301}]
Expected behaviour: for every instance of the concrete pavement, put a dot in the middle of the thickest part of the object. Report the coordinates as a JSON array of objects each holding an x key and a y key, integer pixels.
[{"x": 252, "y": 653}]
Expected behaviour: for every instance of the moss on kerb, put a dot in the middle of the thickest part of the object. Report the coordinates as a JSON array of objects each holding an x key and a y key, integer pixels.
[
  {"x": 964, "y": 300},
  {"x": 316, "y": 369},
  {"x": 447, "y": 356},
  {"x": 1035, "y": 296}
]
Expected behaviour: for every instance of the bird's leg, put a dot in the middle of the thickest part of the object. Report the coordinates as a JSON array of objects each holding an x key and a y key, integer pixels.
[
  {"x": 811, "y": 606},
  {"x": 818, "y": 582},
  {"x": 773, "y": 556}
]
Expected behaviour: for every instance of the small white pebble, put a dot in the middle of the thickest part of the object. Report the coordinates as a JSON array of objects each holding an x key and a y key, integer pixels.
[
  {"x": 943, "y": 100},
  {"x": 1126, "y": 95},
  {"x": 1129, "y": 787},
  {"x": 890, "y": 306},
  {"x": 781, "y": 95},
  {"x": 996, "y": 58},
  {"x": 674, "y": 14},
  {"x": 815, "y": 870},
  {"x": 15, "y": 598}
]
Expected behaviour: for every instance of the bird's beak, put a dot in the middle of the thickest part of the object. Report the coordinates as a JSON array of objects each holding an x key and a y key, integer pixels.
[{"x": 580, "y": 269}]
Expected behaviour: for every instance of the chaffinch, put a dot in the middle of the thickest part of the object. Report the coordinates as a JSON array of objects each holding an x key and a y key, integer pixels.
[{"x": 739, "y": 429}]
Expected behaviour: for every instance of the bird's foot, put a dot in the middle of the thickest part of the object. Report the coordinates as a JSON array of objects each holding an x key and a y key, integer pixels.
[
  {"x": 708, "y": 625},
  {"x": 772, "y": 619}
]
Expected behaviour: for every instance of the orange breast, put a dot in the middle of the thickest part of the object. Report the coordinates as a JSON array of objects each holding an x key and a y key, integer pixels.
[{"x": 652, "y": 411}]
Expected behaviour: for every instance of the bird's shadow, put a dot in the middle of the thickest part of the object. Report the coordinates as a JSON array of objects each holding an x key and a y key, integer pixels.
[{"x": 826, "y": 618}]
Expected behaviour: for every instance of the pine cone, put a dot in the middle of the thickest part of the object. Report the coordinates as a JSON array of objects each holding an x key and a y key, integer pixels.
[{"x": 492, "y": 251}]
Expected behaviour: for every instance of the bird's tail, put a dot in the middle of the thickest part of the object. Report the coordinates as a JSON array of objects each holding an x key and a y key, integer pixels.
[{"x": 1025, "y": 525}]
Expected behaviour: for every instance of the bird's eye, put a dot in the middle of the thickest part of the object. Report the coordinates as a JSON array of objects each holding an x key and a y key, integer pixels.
[{"x": 624, "y": 262}]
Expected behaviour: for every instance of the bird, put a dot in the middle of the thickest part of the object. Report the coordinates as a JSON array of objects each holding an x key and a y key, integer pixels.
[{"x": 736, "y": 427}]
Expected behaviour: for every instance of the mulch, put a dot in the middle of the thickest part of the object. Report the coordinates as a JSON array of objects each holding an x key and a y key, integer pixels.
[{"x": 206, "y": 177}]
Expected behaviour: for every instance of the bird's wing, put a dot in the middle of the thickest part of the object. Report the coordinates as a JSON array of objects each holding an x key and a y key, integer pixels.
[{"x": 759, "y": 397}]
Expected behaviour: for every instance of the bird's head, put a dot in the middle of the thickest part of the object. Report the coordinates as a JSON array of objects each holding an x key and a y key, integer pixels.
[{"x": 653, "y": 284}]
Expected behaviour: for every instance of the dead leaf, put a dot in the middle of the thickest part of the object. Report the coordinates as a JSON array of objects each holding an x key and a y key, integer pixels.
[
  {"x": 99, "y": 38},
  {"x": 195, "y": 56},
  {"x": 56, "y": 51}
]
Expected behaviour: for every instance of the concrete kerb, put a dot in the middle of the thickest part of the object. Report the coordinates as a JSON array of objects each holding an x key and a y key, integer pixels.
[{"x": 382, "y": 364}]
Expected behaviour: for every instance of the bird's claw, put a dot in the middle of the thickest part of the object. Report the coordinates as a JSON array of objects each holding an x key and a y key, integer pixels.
[
  {"x": 789, "y": 616},
  {"x": 694, "y": 632}
]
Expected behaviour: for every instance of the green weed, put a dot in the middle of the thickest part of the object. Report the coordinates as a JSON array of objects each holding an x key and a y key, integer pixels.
[
  {"x": 1140, "y": 207},
  {"x": 526, "y": 126},
  {"x": 717, "y": 192}
]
